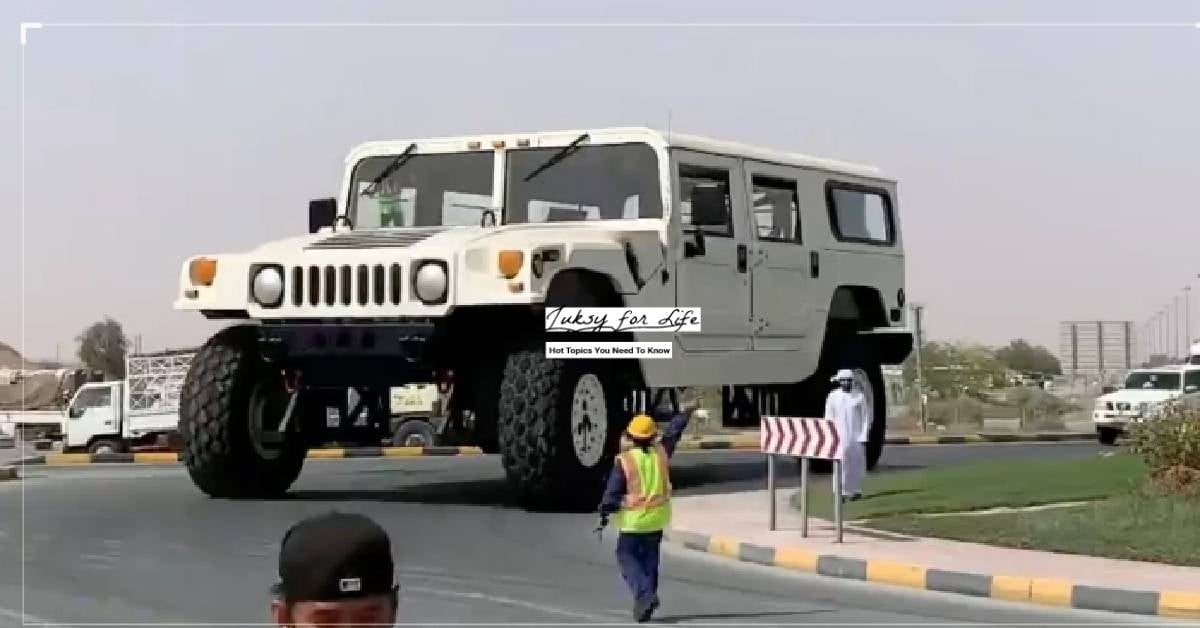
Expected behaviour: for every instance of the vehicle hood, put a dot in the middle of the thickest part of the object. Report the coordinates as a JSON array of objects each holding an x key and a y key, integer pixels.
[
  {"x": 1129, "y": 395},
  {"x": 443, "y": 240}
]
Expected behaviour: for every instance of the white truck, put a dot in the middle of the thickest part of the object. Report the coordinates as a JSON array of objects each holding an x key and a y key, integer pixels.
[
  {"x": 443, "y": 256},
  {"x": 141, "y": 410},
  {"x": 1142, "y": 391},
  {"x": 33, "y": 402}
]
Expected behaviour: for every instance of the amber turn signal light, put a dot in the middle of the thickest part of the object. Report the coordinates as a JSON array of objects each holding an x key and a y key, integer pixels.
[
  {"x": 202, "y": 271},
  {"x": 510, "y": 263}
]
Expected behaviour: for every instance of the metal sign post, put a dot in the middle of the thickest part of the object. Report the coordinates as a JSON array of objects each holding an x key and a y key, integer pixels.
[
  {"x": 837, "y": 498},
  {"x": 769, "y": 405},
  {"x": 804, "y": 497},
  {"x": 806, "y": 439}
]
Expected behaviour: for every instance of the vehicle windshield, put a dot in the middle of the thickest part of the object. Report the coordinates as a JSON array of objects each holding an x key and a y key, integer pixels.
[
  {"x": 1152, "y": 381},
  {"x": 603, "y": 182},
  {"x": 445, "y": 189}
]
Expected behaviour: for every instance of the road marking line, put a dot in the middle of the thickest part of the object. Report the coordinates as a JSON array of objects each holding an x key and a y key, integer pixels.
[
  {"x": 26, "y": 618},
  {"x": 511, "y": 602}
]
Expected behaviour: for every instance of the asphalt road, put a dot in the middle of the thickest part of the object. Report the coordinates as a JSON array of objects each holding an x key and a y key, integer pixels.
[{"x": 132, "y": 543}]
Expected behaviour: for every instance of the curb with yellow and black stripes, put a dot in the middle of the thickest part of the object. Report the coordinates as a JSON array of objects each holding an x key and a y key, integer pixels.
[
  {"x": 162, "y": 457},
  {"x": 740, "y": 442},
  {"x": 1044, "y": 591}
]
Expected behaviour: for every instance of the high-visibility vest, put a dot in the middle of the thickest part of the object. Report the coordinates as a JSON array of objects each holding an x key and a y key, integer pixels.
[{"x": 647, "y": 503}]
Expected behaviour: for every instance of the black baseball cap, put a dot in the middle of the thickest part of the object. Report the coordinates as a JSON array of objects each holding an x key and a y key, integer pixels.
[{"x": 335, "y": 556}]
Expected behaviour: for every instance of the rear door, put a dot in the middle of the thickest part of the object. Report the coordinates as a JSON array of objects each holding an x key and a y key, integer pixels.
[
  {"x": 783, "y": 285},
  {"x": 716, "y": 280}
]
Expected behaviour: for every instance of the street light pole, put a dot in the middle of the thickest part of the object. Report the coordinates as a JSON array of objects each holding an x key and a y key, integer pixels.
[
  {"x": 919, "y": 333},
  {"x": 1187, "y": 319},
  {"x": 1175, "y": 349}
]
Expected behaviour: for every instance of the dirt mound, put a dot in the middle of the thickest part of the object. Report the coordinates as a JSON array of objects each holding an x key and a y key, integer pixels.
[{"x": 9, "y": 358}]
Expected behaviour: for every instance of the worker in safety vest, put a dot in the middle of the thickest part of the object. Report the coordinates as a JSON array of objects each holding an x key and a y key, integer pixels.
[{"x": 639, "y": 493}]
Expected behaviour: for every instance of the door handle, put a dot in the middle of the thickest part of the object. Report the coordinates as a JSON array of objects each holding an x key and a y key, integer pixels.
[
  {"x": 741, "y": 258},
  {"x": 814, "y": 264}
]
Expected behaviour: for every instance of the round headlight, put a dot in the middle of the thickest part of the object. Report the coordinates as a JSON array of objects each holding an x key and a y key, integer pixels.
[
  {"x": 268, "y": 287},
  {"x": 430, "y": 282}
]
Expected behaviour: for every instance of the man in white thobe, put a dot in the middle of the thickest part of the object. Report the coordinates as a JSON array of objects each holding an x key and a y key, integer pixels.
[{"x": 846, "y": 406}]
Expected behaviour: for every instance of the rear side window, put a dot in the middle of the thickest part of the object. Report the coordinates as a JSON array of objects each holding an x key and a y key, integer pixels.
[
  {"x": 860, "y": 214},
  {"x": 1191, "y": 378}
]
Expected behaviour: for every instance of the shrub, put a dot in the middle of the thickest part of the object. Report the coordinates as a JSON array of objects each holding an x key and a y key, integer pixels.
[
  {"x": 1170, "y": 446},
  {"x": 956, "y": 412}
]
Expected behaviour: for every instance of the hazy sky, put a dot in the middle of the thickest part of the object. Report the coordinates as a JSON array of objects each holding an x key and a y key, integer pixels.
[{"x": 1046, "y": 173}]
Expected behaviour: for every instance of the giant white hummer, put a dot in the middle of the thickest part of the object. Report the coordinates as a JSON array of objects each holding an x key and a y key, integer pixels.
[{"x": 439, "y": 257}]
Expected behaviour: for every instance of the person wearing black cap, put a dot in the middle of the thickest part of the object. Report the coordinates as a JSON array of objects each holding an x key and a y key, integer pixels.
[{"x": 335, "y": 568}]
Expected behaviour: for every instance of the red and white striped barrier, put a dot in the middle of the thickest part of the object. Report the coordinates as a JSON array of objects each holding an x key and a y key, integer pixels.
[{"x": 800, "y": 437}]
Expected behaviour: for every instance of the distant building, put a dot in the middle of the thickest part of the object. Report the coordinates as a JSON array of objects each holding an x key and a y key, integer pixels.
[{"x": 1096, "y": 349}]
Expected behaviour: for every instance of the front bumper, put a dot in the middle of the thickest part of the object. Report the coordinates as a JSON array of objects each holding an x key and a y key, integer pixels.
[
  {"x": 1113, "y": 419},
  {"x": 403, "y": 340}
]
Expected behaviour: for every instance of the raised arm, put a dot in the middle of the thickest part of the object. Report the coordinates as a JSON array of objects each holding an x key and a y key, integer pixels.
[{"x": 674, "y": 432}]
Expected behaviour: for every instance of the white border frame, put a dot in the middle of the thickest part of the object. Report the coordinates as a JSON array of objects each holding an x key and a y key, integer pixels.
[{"x": 28, "y": 26}]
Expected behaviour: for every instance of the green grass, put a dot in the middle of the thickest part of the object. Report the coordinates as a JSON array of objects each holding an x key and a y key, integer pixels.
[
  {"x": 1133, "y": 526},
  {"x": 983, "y": 485},
  {"x": 1120, "y": 521}
]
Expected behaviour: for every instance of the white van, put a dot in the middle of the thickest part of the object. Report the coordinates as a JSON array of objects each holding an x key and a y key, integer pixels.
[{"x": 1142, "y": 390}]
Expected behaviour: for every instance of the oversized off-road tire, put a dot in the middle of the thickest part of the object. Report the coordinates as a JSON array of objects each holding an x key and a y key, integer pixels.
[
  {"x": 560, "y": 423},
  {"x": 229, "y": 399}
]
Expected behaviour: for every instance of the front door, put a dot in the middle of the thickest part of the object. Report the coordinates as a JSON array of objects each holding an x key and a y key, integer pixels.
[
  {"x": 93, "y": 412},
  {"x": 713, "y": 271},
  {"x": 783, "y": 284}
]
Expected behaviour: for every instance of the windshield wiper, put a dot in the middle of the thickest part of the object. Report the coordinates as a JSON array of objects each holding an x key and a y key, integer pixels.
[
  {"x": 559, "y": 156},
  {"x": 391, "y": 169}
]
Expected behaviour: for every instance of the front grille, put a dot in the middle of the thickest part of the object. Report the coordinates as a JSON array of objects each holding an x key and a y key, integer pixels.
[{"x": 347, "y": 285}]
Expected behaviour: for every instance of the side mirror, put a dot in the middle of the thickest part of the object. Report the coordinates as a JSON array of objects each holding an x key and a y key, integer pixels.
[
  {"x": 322, "y": 212},
  {"x": 1108, "y": 389},
  {"x": 708, "y": 206},
  {"x": 75, "y": 412}
]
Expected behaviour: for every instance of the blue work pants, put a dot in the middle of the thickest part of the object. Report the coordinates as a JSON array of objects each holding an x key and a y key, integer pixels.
[{"x": 637, "y": 556}]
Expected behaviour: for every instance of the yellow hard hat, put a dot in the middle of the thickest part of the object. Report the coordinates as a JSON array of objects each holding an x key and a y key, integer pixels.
[{"x": 642, "y": 426}]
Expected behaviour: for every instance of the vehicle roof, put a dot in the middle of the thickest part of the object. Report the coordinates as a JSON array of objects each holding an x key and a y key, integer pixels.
[
  {"x": 1167, "y": 368},
  {"x": 610, "y": 135}
]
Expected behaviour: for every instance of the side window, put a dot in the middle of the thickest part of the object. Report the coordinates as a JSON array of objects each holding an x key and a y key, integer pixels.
[
  {"x": 1191, "y": 378},
  {"x": 776, "y": 210},
  {"x": 691, "y": 179},
  {"x": 93, "y": 398},
  {"x": 859, "y": 214}
]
